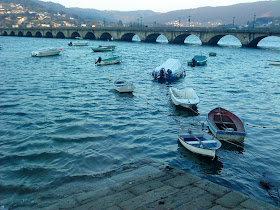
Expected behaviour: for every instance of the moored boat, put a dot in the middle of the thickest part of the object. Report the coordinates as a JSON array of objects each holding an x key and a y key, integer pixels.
[
  {"x": 101, "y": 48},
  {"x": 198, "y": 60},
  {"x": 108, "y": 61},
  {"x": 169, "y": 70},
  {"x": 79, "y": 42},
  {"x": 123, "y": 86},
  {"x": 50, "y": 51},
  {"x": 276, "y": 63},
  {"x": 186, "y": 97},
  {"x": 212, "y": 54},
  {"x": 199, "y": 142},
  {"x": 225, "y": 125}
]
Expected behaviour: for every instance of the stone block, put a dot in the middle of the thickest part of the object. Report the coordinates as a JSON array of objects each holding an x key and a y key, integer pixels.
[
  {"x": 149, "y": 197},
  {"x": 257, "y": 204},
  {"x": 182, "y": 180},
  {"x": 203, "y": 202},
  {"x": 185, "y": 195},
  {"x": 86, "y": 197},
  {"x": 108, "y": 201},
  {"x": 146, "y": 187},
  {"x": 215, "y": 189},
  {"x": 232, "y": 199}
]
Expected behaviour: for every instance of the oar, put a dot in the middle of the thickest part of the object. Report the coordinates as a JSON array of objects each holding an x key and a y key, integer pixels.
[{"x": 198, "y": 139}]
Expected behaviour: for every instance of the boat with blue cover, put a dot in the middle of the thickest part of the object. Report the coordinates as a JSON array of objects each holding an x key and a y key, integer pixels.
[{"x": 171, "y": 69}]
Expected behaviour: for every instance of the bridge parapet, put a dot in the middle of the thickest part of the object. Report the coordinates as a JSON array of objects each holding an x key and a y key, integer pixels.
[{"x": 249, "y": 37}]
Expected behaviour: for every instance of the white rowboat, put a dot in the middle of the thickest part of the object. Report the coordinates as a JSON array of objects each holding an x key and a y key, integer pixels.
[
  {"x": 199, "y": 142},
  {"x": 45, "y": 52},
  {"x": 186, "y": 97},
  {"x": 124, "y": 86}
]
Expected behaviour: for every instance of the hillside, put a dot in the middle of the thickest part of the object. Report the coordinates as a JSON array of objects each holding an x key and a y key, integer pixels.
[{"x": 240, "y": 14}]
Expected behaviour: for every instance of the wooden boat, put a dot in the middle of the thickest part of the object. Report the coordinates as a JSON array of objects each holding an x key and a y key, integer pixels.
[
  {"x": 169, "y": 70},
  {"x": 45, "y": 52},
  {"x": 212, "y": 54},
  {"x": 225, "y": 125},
  {"x": 123, "y": 86},
  {"x": 108, "y": 61},
  {"x": 79, "y": 42},
  {"x": 101, "y": 48},
  {"x": 198, "y": 60},
  {"x": 185, "y": 97},
  {"x": 276, "y": 63},
  {"x": 199, "y": 142}
]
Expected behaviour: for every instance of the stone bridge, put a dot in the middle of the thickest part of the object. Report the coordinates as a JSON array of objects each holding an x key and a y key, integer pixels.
[{"x": 249, "y": 37}]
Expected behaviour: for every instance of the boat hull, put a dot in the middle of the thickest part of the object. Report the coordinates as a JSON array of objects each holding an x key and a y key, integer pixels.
[
  {"x": 204, "y": 152},
  {"x": 225, "y": 125},
  {"x": 188, "y": 99},
  {"x": 124, "y": 86},
  {"x": 275, "y": 63},
  {"x": 46, "y": 52},
  {"x": 109, "y": 61}
]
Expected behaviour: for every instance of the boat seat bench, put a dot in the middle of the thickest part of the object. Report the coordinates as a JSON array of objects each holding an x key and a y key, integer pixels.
[
  {"x": 197, "y": 142},
  {"x": 229, "y": 123}
]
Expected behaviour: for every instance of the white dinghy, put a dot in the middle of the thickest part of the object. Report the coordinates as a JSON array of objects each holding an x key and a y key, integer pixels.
[
  {"x": 123, "y": 86},
  {"x": 186, "y": 97},
  {"x": 199, "y": 142},
  {"x": 50, "y": 51}
]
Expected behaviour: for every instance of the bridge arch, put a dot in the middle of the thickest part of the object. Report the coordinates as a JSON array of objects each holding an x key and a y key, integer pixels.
[
  {"x": 193, "y": 40},
  {"x": 60, "y": 35},
  {"x": 12, "y": 33},
  {"x": 152, "y": 37},
  {"x": 128, "y": 37},
  {"x": 106, "y": 36},
  {"x": 20, "y": 33},
  {"x": 230, "y": 40},
  {"x": 38, "y": 34},
  {"x": 90, "y": 35},
  {"x": 49, "y": 35},
  {"x": 5, "y": 33},
  {"x": 255, "y": 42},
  {"x": 74, "y": 35},
  {"x": 180, "y": 39},
  {"x": 28, "y": 34}
]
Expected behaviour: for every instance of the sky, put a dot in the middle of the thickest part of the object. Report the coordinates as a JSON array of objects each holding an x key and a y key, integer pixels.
[{"x": 154, "y": 5}]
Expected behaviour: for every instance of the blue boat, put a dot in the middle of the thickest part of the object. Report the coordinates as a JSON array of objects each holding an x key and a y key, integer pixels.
[{"x": 169, "y": 70}]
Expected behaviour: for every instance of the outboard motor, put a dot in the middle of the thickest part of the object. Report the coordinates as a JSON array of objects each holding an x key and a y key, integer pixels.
[
  {"x": 70, "y": 44},
  {"x": 98, "y": 61},
  {"x": 161, "y": 74}
]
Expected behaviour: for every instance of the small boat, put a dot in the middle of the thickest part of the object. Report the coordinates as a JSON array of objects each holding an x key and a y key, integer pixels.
[
  {"x": 198, "y": 60},
  {"x": 101, "y": 48},
  {"x": 79, "y": 42},
  {"x": 276, "y": 63},
  {"x": 212, "y": 54},
  {"x": 124, "y": 86},
  {"x": 108, "y": 61},
  {"x": 225, "y": 125},
  {"x": 185, "y": 97},
  {"x": 199, "y": 142},
  {"x": 169, "y": 70},
  {"x": 46, "y": 52}
]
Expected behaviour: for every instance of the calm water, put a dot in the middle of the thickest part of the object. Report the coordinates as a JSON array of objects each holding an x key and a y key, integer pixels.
[{"x": 62, "y": 124}]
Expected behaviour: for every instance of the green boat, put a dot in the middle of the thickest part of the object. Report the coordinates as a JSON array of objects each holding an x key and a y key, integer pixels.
[
  {"x": 198, "y": 60},
  {"x": 212, "y": 54},
  {"x": 108, "y": 61}
]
